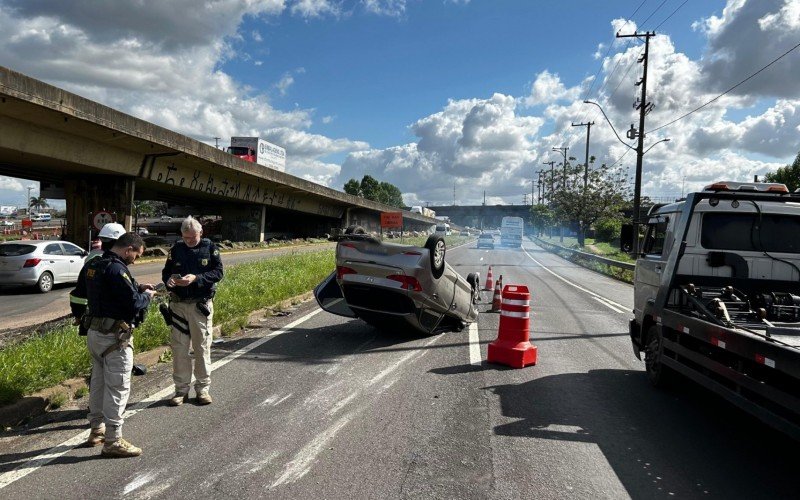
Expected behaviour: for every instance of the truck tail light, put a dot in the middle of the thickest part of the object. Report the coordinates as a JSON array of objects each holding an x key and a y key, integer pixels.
[
  {"x": 342, "y": 270},
  {"x": 31, "y": 262},
  {"x": 408, "y": 282}
]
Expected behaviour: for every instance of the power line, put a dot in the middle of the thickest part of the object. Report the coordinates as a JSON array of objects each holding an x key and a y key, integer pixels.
[
  {"x": 673, "y": 13},
  {"x": 726, "y": 92},
  {"x": 653, "y": 13}
]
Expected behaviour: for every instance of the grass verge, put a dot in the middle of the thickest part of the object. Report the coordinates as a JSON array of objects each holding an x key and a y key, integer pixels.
[
  {"x": 60, "y": 353},
  {"x": 551, "y": 245}
]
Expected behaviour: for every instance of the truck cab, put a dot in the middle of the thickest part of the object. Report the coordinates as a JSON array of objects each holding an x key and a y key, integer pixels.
[{"x": 717, "y": 297}]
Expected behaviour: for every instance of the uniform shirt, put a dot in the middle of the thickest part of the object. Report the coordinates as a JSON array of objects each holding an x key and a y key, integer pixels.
[
  {"x": 202, "y": 260},
  {"x": 77, "y": 297},
  {"x": 112, "y": 291}
]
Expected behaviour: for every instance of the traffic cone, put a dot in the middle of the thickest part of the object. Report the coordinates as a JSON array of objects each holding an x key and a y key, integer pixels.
[
  {"x": 497, "y": 299},
  {"x": 513, "y": 347},
  {"x": 500, "y": 281},
  {"x": 489, "y": 281}
]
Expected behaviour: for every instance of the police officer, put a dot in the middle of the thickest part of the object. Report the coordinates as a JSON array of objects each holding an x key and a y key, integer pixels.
[
  {"x": 116, "y": 302},
  {"x": 191, "y": 273},
  {"x": 77, "y": 298}
]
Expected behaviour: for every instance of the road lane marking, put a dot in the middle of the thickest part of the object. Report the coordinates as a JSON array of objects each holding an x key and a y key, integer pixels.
[
  {"x": 610, "y": 306},
  {"x": 139, "y": 481},
  {"x": 302, "y": 462},
  {"x": 474, "y": 345},
  {"x": 79, "y": 439},
  {"x": 607, "y": 302}
]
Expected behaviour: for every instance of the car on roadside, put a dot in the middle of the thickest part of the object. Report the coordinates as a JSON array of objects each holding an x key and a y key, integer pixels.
[
  {"x": 486, "y": 240},
  {"x": 398, "y": 287},
  {"x": 40, "y": 263},
  {"x": 166, "y": 218},
  {"x": 142, "y": 231}
]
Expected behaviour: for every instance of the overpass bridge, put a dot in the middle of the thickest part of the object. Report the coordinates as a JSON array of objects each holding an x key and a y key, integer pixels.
[
  {"x": 482, "y": 215},
  {"x": 98, "y": 158}
]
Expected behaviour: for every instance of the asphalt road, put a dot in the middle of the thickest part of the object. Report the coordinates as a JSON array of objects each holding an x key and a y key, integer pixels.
[
  {"x": 332, "y": 408},
  {"x": 23, "y": 306}
]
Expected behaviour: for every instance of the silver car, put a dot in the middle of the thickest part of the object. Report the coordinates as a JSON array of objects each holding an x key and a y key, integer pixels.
[
  {"x": 396, "y": 287},
  {"x": 40, "y": 263}
]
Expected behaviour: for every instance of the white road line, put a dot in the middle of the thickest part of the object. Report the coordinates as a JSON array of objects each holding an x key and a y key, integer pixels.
[
  {"x": 613, "y": 308},
  {"x": 474, "y": 346},
  {"x": 302, "y": 462},
  {"x": 607, "y": 302},
  {"x": 79, "y": 439}
]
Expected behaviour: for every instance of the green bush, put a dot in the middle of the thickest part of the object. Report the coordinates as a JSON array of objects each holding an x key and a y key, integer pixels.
[{"x": 607, "y": 229}]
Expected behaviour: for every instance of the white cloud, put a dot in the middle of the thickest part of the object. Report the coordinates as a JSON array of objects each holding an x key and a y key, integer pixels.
[
  {"x": 548, "y": 88},
  {"x": 284, "y": 83},
  {"x": 10, "y": 184},
  {"x": 394, "y": 8},
  {"x": 327, "y": 119},
  {"x": 316, "y": 8}
]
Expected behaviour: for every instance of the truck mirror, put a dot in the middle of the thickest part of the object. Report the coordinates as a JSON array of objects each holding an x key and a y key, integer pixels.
[{"x": 626, "y": 238}]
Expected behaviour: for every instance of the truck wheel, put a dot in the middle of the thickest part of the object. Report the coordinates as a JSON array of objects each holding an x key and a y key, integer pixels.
[
  {"x": 436, "y": 248},
  {"x": 658, "y": 374}
]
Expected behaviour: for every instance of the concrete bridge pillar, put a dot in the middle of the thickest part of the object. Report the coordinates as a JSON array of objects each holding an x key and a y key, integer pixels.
[
  {"x": 243, "y": 222},
  {"x": 92, "y": 194}
]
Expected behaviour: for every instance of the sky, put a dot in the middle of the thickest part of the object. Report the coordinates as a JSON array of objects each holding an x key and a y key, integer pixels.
[{"x": 449, "y": 100}]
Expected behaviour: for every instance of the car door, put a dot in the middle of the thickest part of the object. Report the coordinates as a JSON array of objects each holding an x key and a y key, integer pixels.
[
  {"x": 651, "y": 262},
  {"x": 76, "y": 255},
  {"x": 56, "y": 261}
]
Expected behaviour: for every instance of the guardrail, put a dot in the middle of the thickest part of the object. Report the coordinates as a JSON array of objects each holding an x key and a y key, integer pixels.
[{"x": 624, "y": 266}]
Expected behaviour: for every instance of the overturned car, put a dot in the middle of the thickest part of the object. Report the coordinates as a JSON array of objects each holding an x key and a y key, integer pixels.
[{"x": 395, "y": 287}]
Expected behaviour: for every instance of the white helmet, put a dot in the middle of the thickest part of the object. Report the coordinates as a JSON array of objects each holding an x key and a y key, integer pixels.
[{"x": 111, "y": 231}]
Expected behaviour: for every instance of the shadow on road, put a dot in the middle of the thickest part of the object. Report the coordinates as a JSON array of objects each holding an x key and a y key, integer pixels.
[{"x": 687, "y": 443}]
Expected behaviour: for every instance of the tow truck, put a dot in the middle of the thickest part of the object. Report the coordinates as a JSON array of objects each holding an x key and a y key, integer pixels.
[{"x": 717, "y": 297}]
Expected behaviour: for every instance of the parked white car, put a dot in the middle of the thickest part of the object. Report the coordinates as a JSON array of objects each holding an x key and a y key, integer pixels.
[{"x": 40, "y": 263}]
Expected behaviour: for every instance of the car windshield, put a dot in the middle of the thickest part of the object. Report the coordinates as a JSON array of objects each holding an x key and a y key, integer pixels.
[{"x": 14, "y": 249}]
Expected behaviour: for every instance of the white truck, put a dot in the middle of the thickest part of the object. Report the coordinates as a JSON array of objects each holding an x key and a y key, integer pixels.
[
  {"x": 427, "y": 212},
  {"x": 258, "y": 151},
  {"x": 717, "y": 297},
  {"x": 511, "y": 231}
]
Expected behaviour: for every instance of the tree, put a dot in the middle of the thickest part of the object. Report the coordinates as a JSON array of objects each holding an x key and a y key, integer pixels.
[
  {"x": 370, "y": 188},
  {"x": 602, "y": 197},
  {"x": 352, "y": 187},
  {"x": 789, "y": 175},
  {"x": 541, "y": 217},
  {"x": 391, "y": 195},
  {"x": 39, "y": 202},
  {"x": 143, "y": 208}
]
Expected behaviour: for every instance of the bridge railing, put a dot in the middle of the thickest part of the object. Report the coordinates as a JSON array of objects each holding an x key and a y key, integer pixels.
[{"x": 614, "y": 268}]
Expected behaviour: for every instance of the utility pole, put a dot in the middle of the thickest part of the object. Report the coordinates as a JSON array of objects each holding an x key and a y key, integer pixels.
[
  {"x": 539, "y": 186},
  {"x": 29, "y": 201},
  {"x": 588, "y": 126},
  {"x": 644, "y": 107},
  {"x": 550, "y": 197},
  {"x": 454, "y": 193},
  {"x": 216, "y": 142},
  {"x": 563, "y": 151}
]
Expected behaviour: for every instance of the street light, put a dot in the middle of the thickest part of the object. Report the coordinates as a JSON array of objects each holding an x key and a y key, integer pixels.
[{"x": 637, "y": 189}]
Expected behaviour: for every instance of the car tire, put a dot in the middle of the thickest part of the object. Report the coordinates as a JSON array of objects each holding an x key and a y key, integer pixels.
[
  {"x": 436, "y": 250},
  {"x": 658, "y": 374},
  {"x": 45, "y": 282},
  {"x": 355, "y": 230}
]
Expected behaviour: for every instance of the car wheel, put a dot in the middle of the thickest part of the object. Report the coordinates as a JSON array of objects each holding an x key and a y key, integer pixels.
[
  {"x": 658, "y": 374},
  {"x": 45, "y": 283},
  {"x": 354, "y": 230},
  {"x": 436, "y": 249},
  {"x": 474, "y": 280}
]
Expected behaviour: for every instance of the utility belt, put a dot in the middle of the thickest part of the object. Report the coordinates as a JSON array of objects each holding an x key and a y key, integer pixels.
[
  {"x": 105, "y": 325},
  {"x": 174, "y": 320},
  {"x": 110, "y": 326}
]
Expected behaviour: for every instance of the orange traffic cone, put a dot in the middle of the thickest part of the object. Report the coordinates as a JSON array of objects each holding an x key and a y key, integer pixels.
[
  {"x": 500, "y": 281},
  {"x": 513, "y": 347},
  {"x": 497, "y": 299},
  {"x": 489, "y": 280}
]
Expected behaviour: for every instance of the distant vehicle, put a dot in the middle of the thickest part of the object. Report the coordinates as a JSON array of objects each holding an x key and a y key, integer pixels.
[
  {"x": 166, "y": 218},
  {"x": 427, "y": 212},
  {"x": 40, "y": 263},
  {"x": 486, "y": 240},
  {"x": 259, "y": 151},
  {"x": 393, "y": 286},
  {"x": 41, "y": 217},
  {"x": 442, "y": 229},
  {"x": 143, "y": 231},
  {"x": 7, "y": 223},
  {"x": 511, "y": 231}
]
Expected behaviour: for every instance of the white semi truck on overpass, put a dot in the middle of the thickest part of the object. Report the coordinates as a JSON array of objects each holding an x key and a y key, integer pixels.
[{"x": 259, "y": 151}]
